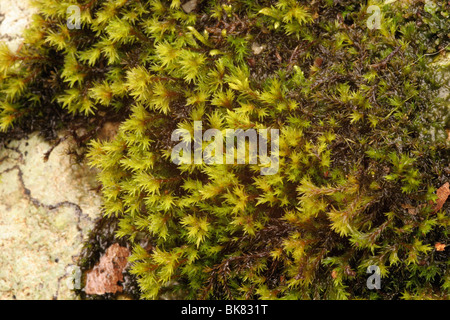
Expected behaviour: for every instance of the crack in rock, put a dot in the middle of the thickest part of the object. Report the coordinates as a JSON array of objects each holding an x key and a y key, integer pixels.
[
  {"x": 46, "y": 209},
  {"x": 41, "y": 239}
]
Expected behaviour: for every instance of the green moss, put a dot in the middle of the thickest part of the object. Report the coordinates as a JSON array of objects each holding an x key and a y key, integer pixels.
[{"x": 362, "y": 140}]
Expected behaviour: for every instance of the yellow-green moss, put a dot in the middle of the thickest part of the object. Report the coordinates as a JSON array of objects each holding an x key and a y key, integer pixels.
[{"x": 362, "y": 139}]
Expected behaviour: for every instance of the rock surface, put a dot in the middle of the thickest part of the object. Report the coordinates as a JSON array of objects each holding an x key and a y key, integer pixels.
[
  {"x": 46, "y": 211},
  {"x": 14, "y": 17}
]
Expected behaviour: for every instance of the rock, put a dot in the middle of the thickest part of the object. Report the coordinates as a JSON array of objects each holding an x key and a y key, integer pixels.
[
  {"x": 189, "y": 6},
  {"x": 257, "y": 49},
  {"x": 47, "y": 209},
  {"x": 14, "y": 16},
  {"x": 106, "y": 275}
]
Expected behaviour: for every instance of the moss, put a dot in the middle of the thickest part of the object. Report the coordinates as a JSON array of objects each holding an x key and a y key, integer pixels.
[{"x": 362, "y": 139}]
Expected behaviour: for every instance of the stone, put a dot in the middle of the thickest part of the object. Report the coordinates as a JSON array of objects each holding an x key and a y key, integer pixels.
[
  {"x": 189, "y": 6},
  {"x": 257, "y": 49},
  {"x": 14, "y": 17},
  {"x": 47, "y": 210}
]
